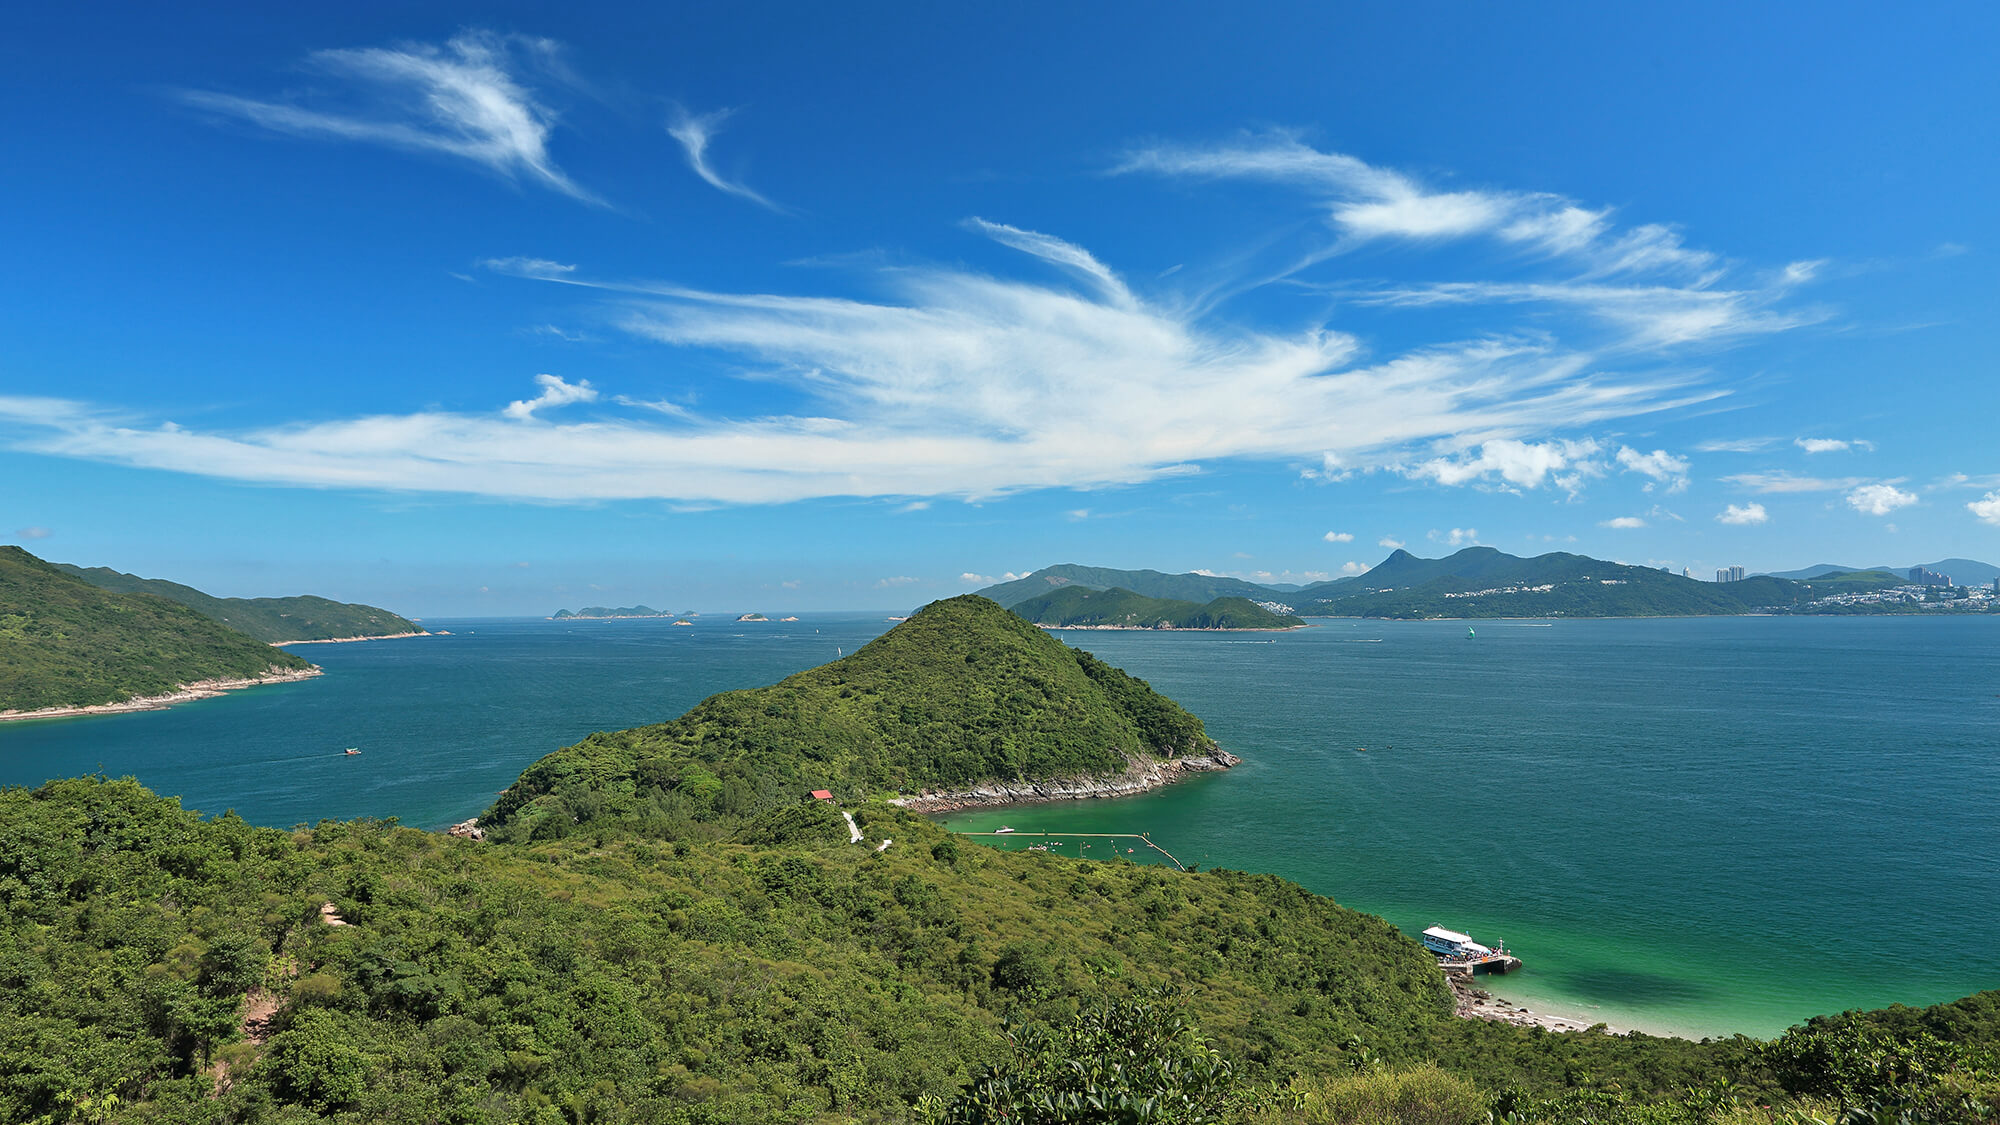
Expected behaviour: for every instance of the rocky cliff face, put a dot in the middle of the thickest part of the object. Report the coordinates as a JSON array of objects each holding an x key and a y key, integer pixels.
[{"x": 1139, "y": 776}]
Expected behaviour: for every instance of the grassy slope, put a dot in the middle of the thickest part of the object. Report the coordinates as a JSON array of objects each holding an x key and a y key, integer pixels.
[
  {"x": 961, "y": 692},
  {"x": 304, "y": 618},
  {"x": 67, "y": 643},
  {"x": 1077, "y": 605}
]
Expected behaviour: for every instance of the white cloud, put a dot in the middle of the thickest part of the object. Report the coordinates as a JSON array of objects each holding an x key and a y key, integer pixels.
[
  {"x": 1786, "y": 482},
  {"x": 1747, "y": 514},
  {"x": 1354, "y": 568},
  {"x": 539, "y": 269},
  {"x": 1390, "y": 542},
  {"x": 1624, "y": 522},
  {"x": 895, "y": 581},
  {"x": 1879, "y": 499},
  {"x": 31, "y": 533},
  {"x": 1736, "y": 445},
  {"x": 1831, "y": 445},
  {"x": 954, "y": 384},
  {"x": 694, "y": 132},
  {"x": 1456, "y": 537},
  {"x": 1986, "y": 509},
  {"x": 467, "y": 98},
  {"x": 555, "y": 392},
  {"x": 1519, "y": 463},
  {"x": 1055, "y": 251},
  {"x": 1338, "y": 537},
  {"x": 1660, "y": 465}
]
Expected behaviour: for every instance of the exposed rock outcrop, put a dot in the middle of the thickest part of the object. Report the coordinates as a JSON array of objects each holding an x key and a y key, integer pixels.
[{"x": 1139, "y": 776}]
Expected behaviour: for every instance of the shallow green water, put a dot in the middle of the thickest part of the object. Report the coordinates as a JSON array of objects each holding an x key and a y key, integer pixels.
[{"x": 1698, "y": 826}]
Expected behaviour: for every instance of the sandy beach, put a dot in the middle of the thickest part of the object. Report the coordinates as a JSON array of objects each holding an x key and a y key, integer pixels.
[
  {"x": 351, "y": 640},
  {"x": 186, "y": 693},
  {"x": 1475, "y": 1003}
]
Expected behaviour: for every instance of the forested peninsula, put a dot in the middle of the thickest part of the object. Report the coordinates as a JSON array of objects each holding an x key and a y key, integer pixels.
[
  {"x": 271, "y": 620},
  {"x": 663, "y": 925},
  {"x": 1079, "y": 607},
  {"x": 67, "y": 644}
]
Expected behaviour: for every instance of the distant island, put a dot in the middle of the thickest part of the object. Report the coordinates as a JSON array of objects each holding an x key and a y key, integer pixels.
[
  {"x": 606, "y": 613},
  {"x": 1079, "y": 607},
  {"x": 1481, "y": 582},
  {"x": 753, "y": 617},
  {"x": 68, "y": 647},
  {"x": 271, "y": 620}
]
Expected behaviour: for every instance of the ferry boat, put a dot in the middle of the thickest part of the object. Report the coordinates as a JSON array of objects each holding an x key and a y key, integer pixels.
[
  {"x": 1451, "y": 943},
  {"x": 1457, "y": 952}
]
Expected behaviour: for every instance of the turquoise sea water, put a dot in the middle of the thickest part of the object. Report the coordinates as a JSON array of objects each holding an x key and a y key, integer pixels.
[{"x": 1698, "y": 826}]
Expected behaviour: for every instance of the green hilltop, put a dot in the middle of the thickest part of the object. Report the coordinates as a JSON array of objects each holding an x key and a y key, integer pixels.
[
  {"x": 963, "y": 692},
  {"x": 272, "y": 620},
  {"x": 664, "y": 928},
  {"x": 67, "y": 643},
  {"x": 1081, "y": 606},
  {"x": 1198, "y": 588}
]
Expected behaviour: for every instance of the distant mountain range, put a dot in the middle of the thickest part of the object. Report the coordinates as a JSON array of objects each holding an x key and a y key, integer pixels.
[
  {"x": 1965, "y": 572},
  {"x": 271, "y": 620},
  {"x": 1483, "y": 582}
]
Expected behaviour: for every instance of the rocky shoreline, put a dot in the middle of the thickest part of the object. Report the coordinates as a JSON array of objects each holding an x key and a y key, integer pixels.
[
  {"x": 1478, "y": 1004},
  {"x": 1140, "y": 776},
  {"x": 351, "y": 640},
  {"x": 185, "y": 693}
]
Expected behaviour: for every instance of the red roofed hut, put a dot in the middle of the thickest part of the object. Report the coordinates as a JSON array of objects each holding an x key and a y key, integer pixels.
[{"x": 822, "y": 794}]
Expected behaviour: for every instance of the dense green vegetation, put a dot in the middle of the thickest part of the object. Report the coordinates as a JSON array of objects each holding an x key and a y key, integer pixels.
[
  {"x": 765, "y": 970},
  {"x": 67, "y": 643},
  {"x": 961, "y": 692},
  {"x": 659, "y": 932},
  {"x": 598, "y": 611},
  {"x": 1082, "y": 606},
  {"x": 272, "y": 620},
  {"x": 1197, "y": 588}
]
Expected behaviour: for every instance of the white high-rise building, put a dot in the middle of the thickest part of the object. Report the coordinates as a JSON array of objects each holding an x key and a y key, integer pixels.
[{"x": 1729, "y": 574}]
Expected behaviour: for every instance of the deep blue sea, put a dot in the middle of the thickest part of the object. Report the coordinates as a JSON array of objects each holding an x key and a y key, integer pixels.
[{"x": 1699, "y": 826}]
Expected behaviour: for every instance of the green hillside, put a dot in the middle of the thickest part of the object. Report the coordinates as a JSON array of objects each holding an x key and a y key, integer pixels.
[
  {"x": 722, "y": 960},
  {"x": 272, "y": 620},
  {"x": 961, "y": 692},
  {"x": 67, "y": 643},
  {"x": 1197, "y": 588},
  {"x": 1082, "y": 606}
]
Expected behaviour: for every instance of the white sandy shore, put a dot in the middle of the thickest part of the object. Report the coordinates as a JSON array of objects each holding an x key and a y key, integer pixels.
[
  {"x": 351, "y": 640},
  {"x": 1153, "y": 629},
  {"x": 186, "y": 693}
]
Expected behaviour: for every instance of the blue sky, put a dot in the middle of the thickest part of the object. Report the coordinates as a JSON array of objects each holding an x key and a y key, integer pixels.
[{"x": 499, "y": 309}]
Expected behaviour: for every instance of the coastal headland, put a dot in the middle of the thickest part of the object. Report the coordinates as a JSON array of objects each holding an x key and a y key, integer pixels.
[
  {"x": 351, "y": 640},
  {"x": 185, "y": 693}
]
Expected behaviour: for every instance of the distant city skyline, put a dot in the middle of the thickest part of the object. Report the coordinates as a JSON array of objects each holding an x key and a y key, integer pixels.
[{"x": 461, "y": 312}]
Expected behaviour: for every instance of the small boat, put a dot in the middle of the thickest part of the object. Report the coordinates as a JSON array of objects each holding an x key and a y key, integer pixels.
[
  {"x": 1469, "y": 632},
  {"x": 349, "y": 752},
  {"x": 1003, "y": 830}
]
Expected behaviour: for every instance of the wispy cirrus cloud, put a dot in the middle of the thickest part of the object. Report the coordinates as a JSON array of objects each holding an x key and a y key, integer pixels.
[
  {"x": 946, "y": 382},
  {"x": 694, "y": 131},
  {"x": 1789, "y": 482},
  {"x": 1832, "y": 445},
  {"x": 468, "y": 98}
]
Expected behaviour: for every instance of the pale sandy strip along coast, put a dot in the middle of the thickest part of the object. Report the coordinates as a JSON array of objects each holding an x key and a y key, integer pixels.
[
  {"x": 1139, "y": 776},
  {"x": 1478, "y": 1004},
  {"x": 351, "y": 640},
  {"x": 186, "y": 693}
]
